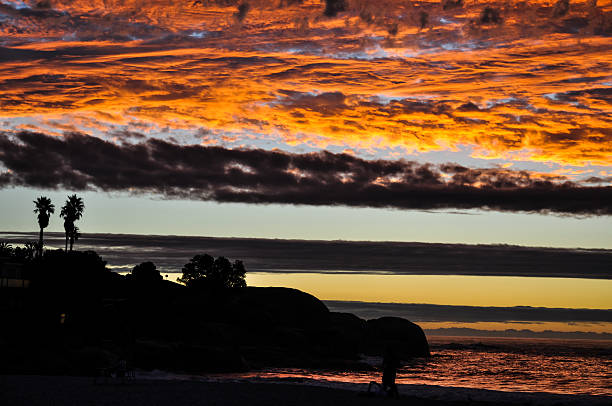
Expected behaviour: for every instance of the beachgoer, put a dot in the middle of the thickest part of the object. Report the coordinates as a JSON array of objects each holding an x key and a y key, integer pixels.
[{"x": 390, "y": 365}]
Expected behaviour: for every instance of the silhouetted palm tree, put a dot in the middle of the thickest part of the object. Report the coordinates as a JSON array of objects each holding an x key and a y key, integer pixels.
[
  {"x": 45, "y": 209},
  {"x": 74, "y": 236},
  {"x": 71, "y": 212}
]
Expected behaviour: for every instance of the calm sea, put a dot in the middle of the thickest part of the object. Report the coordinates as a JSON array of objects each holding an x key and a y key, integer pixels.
[{"x": 569, "y": 367}]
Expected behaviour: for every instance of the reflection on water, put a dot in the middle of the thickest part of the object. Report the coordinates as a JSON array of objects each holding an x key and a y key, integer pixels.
[{"x": 559, "y": 366}]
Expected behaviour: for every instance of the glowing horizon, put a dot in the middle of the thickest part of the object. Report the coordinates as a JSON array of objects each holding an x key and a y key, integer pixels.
[{"x": 459, "y": 290}]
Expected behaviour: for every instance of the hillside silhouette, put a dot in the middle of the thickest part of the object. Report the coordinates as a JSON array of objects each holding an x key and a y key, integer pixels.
[{"x": 75, "y": 316}]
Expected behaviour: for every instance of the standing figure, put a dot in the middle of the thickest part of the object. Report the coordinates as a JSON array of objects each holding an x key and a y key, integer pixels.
[{"x": 390, "y": 365}]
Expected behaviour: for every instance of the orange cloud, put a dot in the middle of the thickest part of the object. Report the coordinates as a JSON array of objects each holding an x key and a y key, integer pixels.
[{"x": 535, "y": 86}]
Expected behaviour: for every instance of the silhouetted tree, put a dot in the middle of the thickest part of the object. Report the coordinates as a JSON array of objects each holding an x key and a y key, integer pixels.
[
  {"x": 29, "y": 251},
  {"x": 238, "y": 275},
  {"x": 44, "y": 208},
  {"x": 146, "y": 273},
  {"x": 196, "y": 269},
  {"x": 204, "y": 270},
  {"x": 6, "y": 249},
  {"x": 71, "y": 212},
  {"x": 22, "y": 254},
  {"x": 72, "y": 281},
  {"x": 74, "y": 235}
]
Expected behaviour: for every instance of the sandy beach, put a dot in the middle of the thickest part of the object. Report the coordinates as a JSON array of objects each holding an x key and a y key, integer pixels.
[{"x": 62, "y": 390}]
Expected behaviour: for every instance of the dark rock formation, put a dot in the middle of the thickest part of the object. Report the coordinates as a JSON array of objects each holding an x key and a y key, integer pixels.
[
  {"x": 90, "y": 318},
  {"x": 407, "y": 338},
  {"x": 280, "y": 306},
  {"x": 348, "y": 334}
]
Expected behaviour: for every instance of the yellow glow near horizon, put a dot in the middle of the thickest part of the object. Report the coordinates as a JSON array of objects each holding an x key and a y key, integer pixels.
[{"x": 447, "y": 289}]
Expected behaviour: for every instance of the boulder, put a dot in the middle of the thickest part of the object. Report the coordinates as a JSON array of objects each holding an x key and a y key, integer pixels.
[
  {"x": 348, "y": 334},
  {"x": 281, "y": 306},
  {"x": 405, "y": 337}
]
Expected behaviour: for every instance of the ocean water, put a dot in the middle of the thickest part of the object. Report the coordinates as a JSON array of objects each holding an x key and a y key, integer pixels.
[
  {"x": 528, "y": 365},
  {"x": 564, "y": 367}
]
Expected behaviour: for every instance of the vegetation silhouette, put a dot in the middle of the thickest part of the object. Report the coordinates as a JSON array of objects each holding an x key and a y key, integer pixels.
[
  {"x": 72, "y": 210},
  {"x": 203, "y": 271},
  {"x": 24, "y": 254},
  {"x": 6, "y": 249},
  {"x": 44, "y": 208},
  {"x": 145, "y": 273},
  {"x": 74, "y": 235}
]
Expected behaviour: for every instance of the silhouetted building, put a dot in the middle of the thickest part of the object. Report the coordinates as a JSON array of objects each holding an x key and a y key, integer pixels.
[{"x": 12, "y": 274}]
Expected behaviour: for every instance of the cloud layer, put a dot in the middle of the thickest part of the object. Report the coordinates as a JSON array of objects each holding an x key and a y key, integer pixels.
[
  {"x": 527, "y": 81},
  {"x": 80, "y": 162},
  {"x": 469, "y": 314},
  {"x": 170, "y": 253}
]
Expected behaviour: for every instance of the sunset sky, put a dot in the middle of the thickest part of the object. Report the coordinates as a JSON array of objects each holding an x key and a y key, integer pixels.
[
  {"x": 443, "y": 121},
  {"x": 439, "y": 121}
]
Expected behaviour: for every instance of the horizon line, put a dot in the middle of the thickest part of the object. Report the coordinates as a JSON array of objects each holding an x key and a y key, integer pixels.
[{"x": 497, "y": 244}]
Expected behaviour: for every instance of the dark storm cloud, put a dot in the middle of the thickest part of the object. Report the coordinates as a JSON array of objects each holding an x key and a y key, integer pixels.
[
  {"x": 170, "y": 253},
  {"x": 81, "y": 162}
]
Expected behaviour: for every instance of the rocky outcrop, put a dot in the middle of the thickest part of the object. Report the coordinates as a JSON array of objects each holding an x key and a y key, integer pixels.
[
  {"x": 375, "y": 336},
  {"x": 168, "y": 326},
  {"x": 405, "y": 337},
  {"x": 279, "y": 306}
]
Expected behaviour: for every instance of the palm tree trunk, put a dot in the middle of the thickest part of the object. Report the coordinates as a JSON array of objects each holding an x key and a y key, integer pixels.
[
  {"x": 40, "y": 243},
  {"x": 71, "y": 243},
  {"x": 66, "y": 250}
]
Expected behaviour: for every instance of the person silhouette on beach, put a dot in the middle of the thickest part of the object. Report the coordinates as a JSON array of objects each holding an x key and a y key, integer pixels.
[{"x": 390, "y": 365}]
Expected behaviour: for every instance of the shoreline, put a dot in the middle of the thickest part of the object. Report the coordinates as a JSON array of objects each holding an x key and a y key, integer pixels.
[{"x": 35, "y": 390}]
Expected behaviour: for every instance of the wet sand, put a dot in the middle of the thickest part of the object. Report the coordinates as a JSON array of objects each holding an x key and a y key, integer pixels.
[{"x": 59, "y": 391}]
